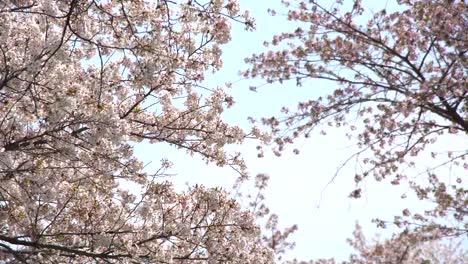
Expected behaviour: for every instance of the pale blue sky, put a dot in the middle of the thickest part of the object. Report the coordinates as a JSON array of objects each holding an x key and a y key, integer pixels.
[{"x": 297, "y": 181}]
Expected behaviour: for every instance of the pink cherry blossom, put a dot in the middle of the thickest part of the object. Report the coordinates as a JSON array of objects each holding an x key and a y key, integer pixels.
[
  {"x": 401, "y": 80},
  {"x": 80, "y": 83}
]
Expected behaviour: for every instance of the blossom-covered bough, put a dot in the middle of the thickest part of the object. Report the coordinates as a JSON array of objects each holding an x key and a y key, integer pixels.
[
  {"x": 404, "y": 248},
  {"x": 402, "y": 85},
  {"x": 79, "y": 82}
]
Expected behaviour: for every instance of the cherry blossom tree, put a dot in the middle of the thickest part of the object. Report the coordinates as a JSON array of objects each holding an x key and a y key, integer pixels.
[
  {"x": 399, "y": 83},
  {"x": 405, "y": 248},
  {"x": 80, "y": 83}
]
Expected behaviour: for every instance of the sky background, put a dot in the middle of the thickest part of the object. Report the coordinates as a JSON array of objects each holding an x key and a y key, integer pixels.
[{"x": 298, "y": 190}]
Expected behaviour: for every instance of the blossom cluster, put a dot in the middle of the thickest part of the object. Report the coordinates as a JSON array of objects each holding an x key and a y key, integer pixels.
[
  {"x": 80, "y": 83},
  {"x": 397, "y": 84}
]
